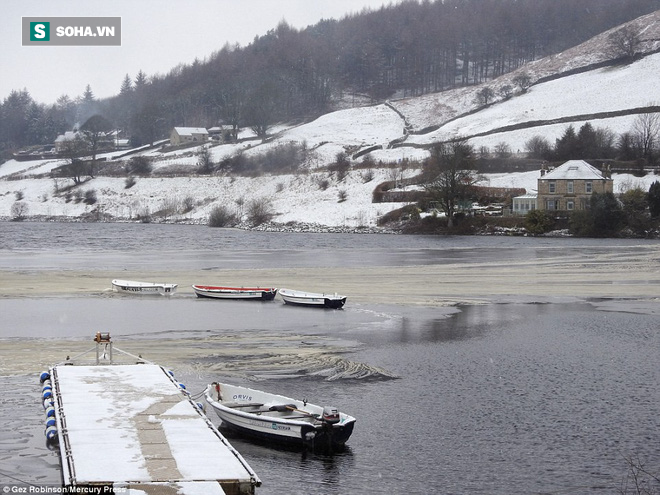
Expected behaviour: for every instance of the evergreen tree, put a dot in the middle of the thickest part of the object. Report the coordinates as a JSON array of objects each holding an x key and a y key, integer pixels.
[
  {"x": 626, "y": 147},
  {"x": 140, "y": 81},
  {"x": 88, "y": 95},
  {"x": 604, "y": 218},
  {"x": 126, "y": 86},
  {"x": 653, "y": 199},
  {"x": 607, "y": 213},
  {"x": 586, "y": 143},
  {"x": 566, "y": 147}
]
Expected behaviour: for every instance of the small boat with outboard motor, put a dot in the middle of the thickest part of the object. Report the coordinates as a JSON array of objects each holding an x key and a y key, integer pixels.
[{"x": 279, "y": 419}]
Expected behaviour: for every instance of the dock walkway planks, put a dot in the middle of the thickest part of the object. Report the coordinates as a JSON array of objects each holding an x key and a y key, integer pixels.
[{"x": 132, "y": 426}]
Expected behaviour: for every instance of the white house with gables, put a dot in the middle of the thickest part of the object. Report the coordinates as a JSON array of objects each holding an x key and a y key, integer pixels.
[{"x": 184, "y": 135}]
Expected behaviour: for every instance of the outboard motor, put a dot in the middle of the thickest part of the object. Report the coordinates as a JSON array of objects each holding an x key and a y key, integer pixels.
[{"x": 330, "y": 415}]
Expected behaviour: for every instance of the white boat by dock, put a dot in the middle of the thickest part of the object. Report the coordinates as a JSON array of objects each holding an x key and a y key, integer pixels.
[
  {"x": 313, "y": 299},
  {"x": 148, "y": 288},
  {"x": 133, "y": 427},
  {"x": 279, "y": 419}
]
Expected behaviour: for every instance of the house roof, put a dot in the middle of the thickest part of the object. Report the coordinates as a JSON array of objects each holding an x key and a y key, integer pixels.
[
  {"x": 574, "y": 169},
  {"x": 189, "y": 131},
  {"x": 527, "y": 196},
  {"x": 67, "y": 136}
]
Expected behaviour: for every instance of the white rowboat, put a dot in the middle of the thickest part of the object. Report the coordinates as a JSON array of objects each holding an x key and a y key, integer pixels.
[
  {"x": 148, "y": 288},
  {"x": 312, "y": 299},
  {"x": 217, "y": 292}
]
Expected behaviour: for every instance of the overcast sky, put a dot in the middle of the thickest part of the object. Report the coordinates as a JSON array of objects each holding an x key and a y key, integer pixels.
[{"x": 157, "y": 35}]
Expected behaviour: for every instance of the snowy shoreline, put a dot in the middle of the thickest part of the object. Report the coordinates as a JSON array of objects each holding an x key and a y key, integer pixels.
[{"x": 289, "y": 227}]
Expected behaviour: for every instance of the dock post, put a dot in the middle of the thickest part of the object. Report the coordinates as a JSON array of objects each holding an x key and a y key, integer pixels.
[{"x": 103, "y": 339}]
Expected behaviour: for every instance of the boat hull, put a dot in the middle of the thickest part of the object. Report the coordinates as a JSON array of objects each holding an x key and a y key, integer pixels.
[
  {"x": 301, "y": 432},
  {"x": 314, "y": 300},
  {"x": 143, "y": 288},
  {"x": 215, "y": 292},
  {"x": 326, "y": 439}
]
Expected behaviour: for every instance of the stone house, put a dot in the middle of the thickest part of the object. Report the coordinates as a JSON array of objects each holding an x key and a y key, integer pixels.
[{"x": 570, "y": 186}]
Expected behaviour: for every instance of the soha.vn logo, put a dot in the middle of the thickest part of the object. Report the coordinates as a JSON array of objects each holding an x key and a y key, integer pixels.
[
  {"x": 71, "y": 31},
  {"x": 40, "y": 31}
]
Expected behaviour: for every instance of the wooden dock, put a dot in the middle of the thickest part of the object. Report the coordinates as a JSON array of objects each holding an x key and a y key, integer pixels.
[{"x": 132, "y": 426}]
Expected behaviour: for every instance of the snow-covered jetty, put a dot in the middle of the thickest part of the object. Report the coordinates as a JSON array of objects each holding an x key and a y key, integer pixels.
[{"x": 132, "y": 426}]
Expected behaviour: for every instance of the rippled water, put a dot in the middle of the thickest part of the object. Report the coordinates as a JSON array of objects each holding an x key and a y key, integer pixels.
[
  {"x": 494, "y": 399},
  {"x": 136, "y": 246}
]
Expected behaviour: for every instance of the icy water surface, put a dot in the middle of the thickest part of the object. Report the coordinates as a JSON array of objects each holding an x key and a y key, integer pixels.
[
  {"x": 491, "y": 399},
  {"x": 507, "y": 399}
]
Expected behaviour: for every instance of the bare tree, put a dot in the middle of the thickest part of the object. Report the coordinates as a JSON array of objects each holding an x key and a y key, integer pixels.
[
  {"x": 485, "y": 96},
  {"x": 140, "y": 165},
  {"x": 260, "y": 210},
  {"x": 260, "y": 108},
  {"x": 503, "y": 150},
  {"x": 506, "y": 91},
  {"x": 538, "y": 147},
  {"x": 523, "y": 82},
  {"x": 453, "y": 178},
  {"x": 646, "y": 132},
  {"x": 72, "y": 150},
  {"x": 95, "y": 130},
  {"x": 19, "y": 210},
  {"x": 624, "y": 43}
]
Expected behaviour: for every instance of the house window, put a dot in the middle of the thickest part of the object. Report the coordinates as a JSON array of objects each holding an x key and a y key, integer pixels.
[
  {"x": 569, "y": 187},
  {"x": 551, "y": 204},
  {"x": 588, "y": 187},
  {"x": 570, "y": 205},
  {"x": 552, "y": 187}
]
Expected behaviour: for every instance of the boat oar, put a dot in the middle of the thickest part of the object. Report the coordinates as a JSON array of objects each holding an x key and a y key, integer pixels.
[{"x": 291, "y": 407}]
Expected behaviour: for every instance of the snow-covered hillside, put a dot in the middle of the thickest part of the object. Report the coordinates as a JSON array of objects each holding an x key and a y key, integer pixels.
[{"x": 318, "y": 196}]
